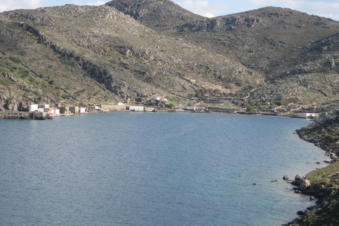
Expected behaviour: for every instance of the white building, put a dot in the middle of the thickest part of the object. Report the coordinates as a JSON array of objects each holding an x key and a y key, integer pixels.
[
  {"x": 121, "y": 104},
  {"x": 137, "y": 108},
  {"x": 82, "y": 110},
  {"x": 57, "y": 111},
  {"x": 307, "y": 115},
  {"x": 33, "y": 107},
  {"x": 54, "y": 111}
]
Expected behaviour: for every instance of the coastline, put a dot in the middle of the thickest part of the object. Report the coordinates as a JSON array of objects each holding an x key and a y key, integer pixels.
[
  {"x": 32, "y": 116},
  {"x": 321, "y": 184}
]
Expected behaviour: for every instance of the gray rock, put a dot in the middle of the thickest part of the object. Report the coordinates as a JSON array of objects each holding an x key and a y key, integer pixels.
[
  {"x": 304, "y": 184},
  {"x": 300, "y": 213},
  {"x": 297, "y": 177},
  {"x": 333, "y": 156}
]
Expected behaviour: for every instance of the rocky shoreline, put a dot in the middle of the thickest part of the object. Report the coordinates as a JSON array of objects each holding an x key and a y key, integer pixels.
[{"x": 322, "y": 184}]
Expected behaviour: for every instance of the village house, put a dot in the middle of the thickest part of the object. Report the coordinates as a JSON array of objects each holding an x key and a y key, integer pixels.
[
  {"x": 82, "y": 110},
  {"x": 33, "y": 107},
  {"x": 54, "y": 111},
  {"x": 137, "y": 108}
]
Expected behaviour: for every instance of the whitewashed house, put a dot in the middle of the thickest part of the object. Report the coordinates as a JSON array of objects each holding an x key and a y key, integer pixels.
[
  {"x": 54, "y": 111},
  {"x": 33, "y": 107},
  {"x": 137, "y": 108},
  {"x": 121, "y": 104},
  {"x": 82, "y": 110}
]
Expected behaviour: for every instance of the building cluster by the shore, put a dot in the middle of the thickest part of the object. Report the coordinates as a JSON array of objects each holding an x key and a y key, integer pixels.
[
  {"x": 46, "y": 111},
  {"x": 54, "y": 111}
]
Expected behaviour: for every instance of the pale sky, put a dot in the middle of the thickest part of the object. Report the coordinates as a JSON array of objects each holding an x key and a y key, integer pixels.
[{"x": 210, "y": 8}]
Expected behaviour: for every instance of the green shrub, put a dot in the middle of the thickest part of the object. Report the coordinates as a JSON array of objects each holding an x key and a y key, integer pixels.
[
  {"x": 62, "y": 110},
  {"x": 250, "y": 109},
  {"x": 171, "y": 105},
  {"x": 15, "y": 60},
  {"x": 66, "y": 96}
]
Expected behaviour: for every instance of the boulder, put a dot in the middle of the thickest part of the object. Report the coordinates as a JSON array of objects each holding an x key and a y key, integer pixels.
[
  {"x": 333, "y": 156},
  {"x": 297, "y": 177},
  {"x": 285, "y": 177},
  {"x": 304, "y": 184},
  {"x": 297, "y": 180},
  {"x": 300, "y": 213}
]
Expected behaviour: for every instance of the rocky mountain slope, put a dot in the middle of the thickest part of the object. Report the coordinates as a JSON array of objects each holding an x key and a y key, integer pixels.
[
  {"x": 115, "y": 54},
  {"x": 270, "y": 59},
  {"x": 297, "y": 52},
  {"x": 157, "y": 14}
]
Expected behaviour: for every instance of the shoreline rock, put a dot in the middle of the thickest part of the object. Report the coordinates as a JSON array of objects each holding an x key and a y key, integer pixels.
[{"x": 326, "y": 210}]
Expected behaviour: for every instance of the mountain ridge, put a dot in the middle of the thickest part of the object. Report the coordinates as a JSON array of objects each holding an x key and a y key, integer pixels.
[
  {"x": 98, "y": 39},
  {"x": 255, "y": 59}
]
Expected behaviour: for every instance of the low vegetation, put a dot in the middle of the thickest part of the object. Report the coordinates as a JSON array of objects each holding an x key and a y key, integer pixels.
[{"x": 327, "y": 208}]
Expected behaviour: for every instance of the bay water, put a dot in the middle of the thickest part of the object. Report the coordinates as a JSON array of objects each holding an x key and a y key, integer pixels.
[{"x": 152, "y": 169}]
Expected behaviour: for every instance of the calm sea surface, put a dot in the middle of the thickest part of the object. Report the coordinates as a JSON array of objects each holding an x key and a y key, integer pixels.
[{"x": 152, "y": 169}]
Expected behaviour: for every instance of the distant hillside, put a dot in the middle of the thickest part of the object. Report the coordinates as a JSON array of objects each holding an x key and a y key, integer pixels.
[
  {"x": 271, "y": 59},
  {"x": 97, "y": 54},
  {"x": 296, "y": 52}
]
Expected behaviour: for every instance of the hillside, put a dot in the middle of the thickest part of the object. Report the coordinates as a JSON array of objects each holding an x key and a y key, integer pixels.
[
  {"x": 271, "y": 59},
  {"x": 115, "y": 54},
  {"x": 297, "y": 52},
  {"x": 308, "y": 80}
]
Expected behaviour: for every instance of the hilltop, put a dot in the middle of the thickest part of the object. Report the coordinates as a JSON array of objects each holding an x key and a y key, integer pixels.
[{"x": 156, "y": 14}]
